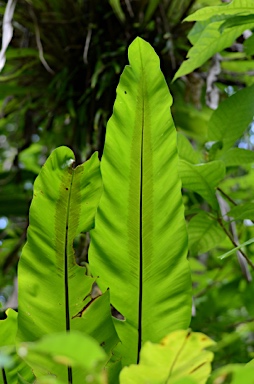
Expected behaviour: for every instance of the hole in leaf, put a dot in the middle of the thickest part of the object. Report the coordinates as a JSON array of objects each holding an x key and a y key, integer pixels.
[
  {"x": 95, "y": 291},
  {"x": 80, "y": 246},
  {"x": 115, "y": 313}
]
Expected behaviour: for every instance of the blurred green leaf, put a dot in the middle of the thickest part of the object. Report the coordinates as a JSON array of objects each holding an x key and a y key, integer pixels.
[
  {"x": 152, "y": 5},
  {"x": 202, "y": 179},
  {"x": 191, "y": 120},
  {"x": 210, "y": 41},
  {"x": 238, "y": 66},
  {"x": 12, "y": 363},
  {"x": 249, "y": 45},
  {"x": 185, "y": 149},
  {"x": 236, "y": 21},
  {"x": 242, "y": 211},
  {"x": 233, "y": 374},
  {"x": 232, "y": 118},
  {"x": 180, "y": 355},
  {"x": 237, "y": 156},
  {"x": 204, "y": 233},
  {"x": 73, "y": 349},
  {"x": 116, "y": 5},
  {"x": 243, "y": 7},
  {"x": 8, "y": 328},
  {"x": 29, "y": 158}
]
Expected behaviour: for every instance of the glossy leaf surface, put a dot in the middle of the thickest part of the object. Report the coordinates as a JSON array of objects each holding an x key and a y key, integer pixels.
[{"x": 139, "y": 243}]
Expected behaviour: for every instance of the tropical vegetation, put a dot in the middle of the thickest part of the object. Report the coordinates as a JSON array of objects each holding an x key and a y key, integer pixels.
[{"x": 138, "y": 262}]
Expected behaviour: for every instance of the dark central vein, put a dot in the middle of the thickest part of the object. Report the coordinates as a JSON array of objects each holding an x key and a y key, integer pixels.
[
  {"x": 4, "y": 376},
  {"x": 66, "y": 275},
  {"x": 141, "y": 237}
]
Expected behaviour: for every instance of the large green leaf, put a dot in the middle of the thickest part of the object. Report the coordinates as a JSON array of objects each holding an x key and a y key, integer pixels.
[
  {"x": 231, "y": 119},
  {"x": 203, "y": 179},
  {"x": 179, "y": 355},
  {"x": 139, "y": 244},
  {"x": 53, "y": 289}
]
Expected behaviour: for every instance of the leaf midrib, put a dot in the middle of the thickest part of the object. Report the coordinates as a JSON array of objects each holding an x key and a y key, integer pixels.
[
  {"x": 141, "y": 220},
  {"x": 66, "y": 275},
  {"x": 4, "y": 376}
]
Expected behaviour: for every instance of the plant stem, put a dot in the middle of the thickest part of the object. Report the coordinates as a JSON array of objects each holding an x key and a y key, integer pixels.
[
  {"x": 234, "y": 243},
  {"x": 226, "y": 196}
]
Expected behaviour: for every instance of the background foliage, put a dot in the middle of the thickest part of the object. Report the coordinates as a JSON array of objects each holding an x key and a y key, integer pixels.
[{"x": 58, "y": 87}]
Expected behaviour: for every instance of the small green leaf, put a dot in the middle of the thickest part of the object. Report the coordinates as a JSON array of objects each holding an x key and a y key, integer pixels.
[
  {"x": 236, "y": 21},
  {"x": 202, "y": 179},
  {"x": 231, "y": 119},
  {"x": 29, "y": 158},
  {"x": 242, "y": 212},
  {"x": 9, "y": 360},
  {"x": 237, "y": 156},
  {"x": 209, "y": 42},
  {"x": 204, "y": 233},
  {"x": 212, "y": 147},
  {"x": 243, "y": 7},
  {"x": 116, "y": 5},
  {"x": 185, "y": 149}
]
